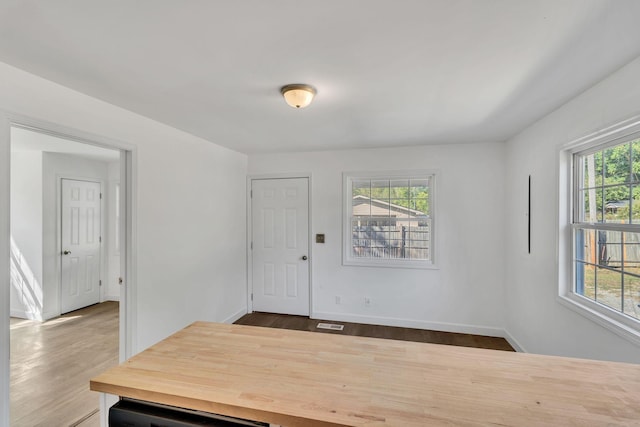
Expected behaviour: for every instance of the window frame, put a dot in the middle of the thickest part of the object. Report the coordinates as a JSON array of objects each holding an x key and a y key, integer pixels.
[
  {"x": 569, "y": 223},
  {"x": 347, "y": 214}
]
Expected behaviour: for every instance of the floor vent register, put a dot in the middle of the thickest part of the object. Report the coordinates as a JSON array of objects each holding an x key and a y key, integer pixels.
[{"x": 330, "y": 326}]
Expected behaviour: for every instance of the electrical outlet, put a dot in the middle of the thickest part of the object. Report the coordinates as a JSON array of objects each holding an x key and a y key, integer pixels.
[
  {"x": 338, "y": 300},
  {"x": 367, "y": 302}
]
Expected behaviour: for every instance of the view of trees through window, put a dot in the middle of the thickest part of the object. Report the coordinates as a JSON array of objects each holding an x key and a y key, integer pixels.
[
  {"x": 611, "y": 184},
  {"x": 606, "y": 230},
  {"x": 391, "y": 218},
  {"x": 413, "y": 194}
]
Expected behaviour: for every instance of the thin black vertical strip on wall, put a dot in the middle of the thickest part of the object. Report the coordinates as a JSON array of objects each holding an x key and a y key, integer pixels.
[{"x": 529, "y": 218}]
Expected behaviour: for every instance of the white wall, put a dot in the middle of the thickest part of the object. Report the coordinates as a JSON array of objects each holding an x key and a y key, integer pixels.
[
  {"x": 27, "y": 279},
  {"x": 192, "y": 254},
  {"x": 55, "y": 167},
  {"x": 184, "y": 187},
  {"x": 534, "y": 316},
  {"x": 466, "y": 293}
]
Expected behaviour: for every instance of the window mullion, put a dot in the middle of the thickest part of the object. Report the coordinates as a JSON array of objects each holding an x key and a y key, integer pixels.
[
  {"x": 622, "y": 267},
  {"x": 630, "y": 185},
  {"x": 604, "y": 168},
  {"x": 634, "y": 228}
]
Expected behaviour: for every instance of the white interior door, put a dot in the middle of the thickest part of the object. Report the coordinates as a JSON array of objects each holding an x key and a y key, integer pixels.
[
  {"x": 80, "y": 215},
  {"x": 280, "y": 241}
]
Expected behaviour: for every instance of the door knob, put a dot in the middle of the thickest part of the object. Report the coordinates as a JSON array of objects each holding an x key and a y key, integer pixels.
[
  {"x": 304, "y": 257},
  {"x": 66, "y": 252}
]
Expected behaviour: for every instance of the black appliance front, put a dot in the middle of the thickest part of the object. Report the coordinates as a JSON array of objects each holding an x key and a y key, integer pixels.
[{"x": 135, "y": 413}]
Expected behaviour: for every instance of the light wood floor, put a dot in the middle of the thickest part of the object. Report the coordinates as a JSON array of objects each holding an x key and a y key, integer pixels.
[
  {"x": 302, "y": 323},
  {"x": 52, "y": 362}
]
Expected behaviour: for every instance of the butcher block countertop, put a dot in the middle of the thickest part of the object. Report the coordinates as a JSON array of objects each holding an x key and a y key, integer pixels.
[{"x": 295, "y": 378}]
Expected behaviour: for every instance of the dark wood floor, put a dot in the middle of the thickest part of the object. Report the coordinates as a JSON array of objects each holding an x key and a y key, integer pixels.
[{"x": 302, "y": 323}]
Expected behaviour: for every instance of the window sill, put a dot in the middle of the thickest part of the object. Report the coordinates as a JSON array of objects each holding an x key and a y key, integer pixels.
[
  {"x": 599, "y": 315},
  {"x": 422, "y": 265}
]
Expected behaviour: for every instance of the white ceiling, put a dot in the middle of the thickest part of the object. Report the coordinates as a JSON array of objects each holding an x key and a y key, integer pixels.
[{"x": 388, "y": 72}]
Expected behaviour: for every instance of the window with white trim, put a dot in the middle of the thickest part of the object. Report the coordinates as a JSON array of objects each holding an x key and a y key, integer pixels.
[
  {"x": 606, "y": 230},
  {"x": 388, "y": 219}
]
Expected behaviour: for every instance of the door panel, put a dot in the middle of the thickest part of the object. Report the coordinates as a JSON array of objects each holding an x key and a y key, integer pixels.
[
  {"x": 80, "y": 262},
  {"x": 280, "y": 236}
]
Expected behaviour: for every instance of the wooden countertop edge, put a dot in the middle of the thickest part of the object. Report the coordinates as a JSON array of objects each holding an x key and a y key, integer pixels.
[{"x": 208, "y": 406}]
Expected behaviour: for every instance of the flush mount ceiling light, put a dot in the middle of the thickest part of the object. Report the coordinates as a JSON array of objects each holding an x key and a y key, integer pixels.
[{"x": 298, "y": 95}]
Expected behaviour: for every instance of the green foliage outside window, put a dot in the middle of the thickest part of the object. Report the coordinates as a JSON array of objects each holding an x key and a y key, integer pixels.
[
  {"x": 412, "y": 194},
  {"x": 614, "y": 182}
]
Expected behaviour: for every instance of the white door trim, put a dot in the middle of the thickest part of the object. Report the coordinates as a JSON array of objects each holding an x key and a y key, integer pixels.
[
  {"x": 5, "y": 164},
  {"x": 128, "y": 155},
  {"x": 251, "y": 178}
]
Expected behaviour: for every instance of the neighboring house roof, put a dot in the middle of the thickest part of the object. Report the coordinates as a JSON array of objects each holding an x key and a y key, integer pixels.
[
  {"x": 365, "y": 206},
  {"x": 616, "y": 204}
]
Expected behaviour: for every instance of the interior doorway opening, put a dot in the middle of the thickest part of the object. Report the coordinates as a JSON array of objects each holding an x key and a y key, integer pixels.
[{"x": 42, "y": 164}]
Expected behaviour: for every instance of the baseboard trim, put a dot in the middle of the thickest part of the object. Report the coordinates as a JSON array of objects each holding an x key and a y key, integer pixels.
[
  {"x": 50, "y": 315},
  {"x": 235, "y": 316},
  {"x": 20, "y": 314},
  {"x": 111, "y": 298},
  {"x": 23, "y": 314},
  {"x": 514, "y": 342},
  {"x": 408, "y": 323},
  {"x": 28, "y": 315}
]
